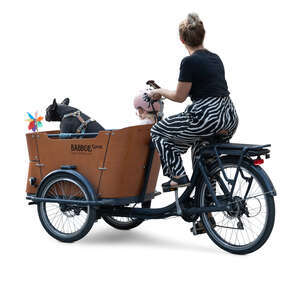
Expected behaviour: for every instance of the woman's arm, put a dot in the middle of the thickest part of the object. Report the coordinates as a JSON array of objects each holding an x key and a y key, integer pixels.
[{"x": 181, "y": 93}]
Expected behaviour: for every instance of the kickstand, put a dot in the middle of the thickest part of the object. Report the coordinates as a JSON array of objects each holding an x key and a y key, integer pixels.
[{"x": 194, "y": 229}]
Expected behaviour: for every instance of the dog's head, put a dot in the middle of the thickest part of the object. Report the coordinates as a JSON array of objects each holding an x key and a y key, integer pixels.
[{"x": 52, "y": 113}]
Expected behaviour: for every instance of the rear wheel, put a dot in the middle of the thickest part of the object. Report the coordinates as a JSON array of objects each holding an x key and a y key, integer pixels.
[
  {"x": 249, "y": 223},
  {"x": 126, "y": 223},
  {"x": 65, "y": 222}
]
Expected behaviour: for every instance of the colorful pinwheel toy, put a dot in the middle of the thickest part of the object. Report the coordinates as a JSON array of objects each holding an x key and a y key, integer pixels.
[{"x": 34, "y": 122}]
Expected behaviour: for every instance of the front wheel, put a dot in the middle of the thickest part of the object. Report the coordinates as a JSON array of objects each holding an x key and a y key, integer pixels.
[
  {"x": 65, "y": 222},
  {"x": 126, "y": 223},
  {"x": 249, "y": 222}
]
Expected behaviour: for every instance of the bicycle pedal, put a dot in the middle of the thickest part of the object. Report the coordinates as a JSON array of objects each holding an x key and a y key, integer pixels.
[
  {"x": 169, "y": 189},
  {"x": 197, "y": 229},
  {"x": 172, "y": 189}
]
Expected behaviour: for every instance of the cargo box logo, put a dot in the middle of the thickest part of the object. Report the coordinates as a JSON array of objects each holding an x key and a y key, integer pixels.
[{"x": 80, "y": 148}]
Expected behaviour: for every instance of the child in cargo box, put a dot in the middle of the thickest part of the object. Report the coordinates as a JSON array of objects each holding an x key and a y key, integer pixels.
[{"x": 144, "y": 109}]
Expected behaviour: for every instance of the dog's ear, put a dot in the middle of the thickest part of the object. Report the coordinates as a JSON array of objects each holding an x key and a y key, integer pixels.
[
  {"x": 66, "y": 101},
  {"x": 54, "y": 104}
]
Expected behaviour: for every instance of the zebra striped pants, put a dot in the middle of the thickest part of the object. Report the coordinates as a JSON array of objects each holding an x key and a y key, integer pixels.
[{"x": 174, "y": 135}]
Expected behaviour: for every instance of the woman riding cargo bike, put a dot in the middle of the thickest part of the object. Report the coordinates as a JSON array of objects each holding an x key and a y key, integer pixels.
[
  {"x": 202, "y": 77},
  {"x": 212, "y": 114}
]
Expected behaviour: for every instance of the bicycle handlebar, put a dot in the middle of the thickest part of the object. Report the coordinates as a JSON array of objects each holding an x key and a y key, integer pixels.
[{"x": 153, "y": 84}]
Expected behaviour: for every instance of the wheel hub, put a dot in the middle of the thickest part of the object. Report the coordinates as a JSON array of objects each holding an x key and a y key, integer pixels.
[
  {"x": 237, "y": 207},
  {"x": 69, "y": 211}
]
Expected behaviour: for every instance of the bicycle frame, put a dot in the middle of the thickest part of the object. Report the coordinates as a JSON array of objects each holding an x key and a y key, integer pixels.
[
  {"x": 200, "y": 171},
  {"x": 113, "y": 206}
]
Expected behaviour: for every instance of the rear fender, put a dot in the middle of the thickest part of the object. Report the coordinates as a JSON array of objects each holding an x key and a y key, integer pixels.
[
  {"x": 267, "y": 180},
  {"x": 261, "y": 172}
]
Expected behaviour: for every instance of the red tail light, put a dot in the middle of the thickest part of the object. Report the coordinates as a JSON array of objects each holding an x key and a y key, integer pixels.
[{"x": 258, "y": 161}]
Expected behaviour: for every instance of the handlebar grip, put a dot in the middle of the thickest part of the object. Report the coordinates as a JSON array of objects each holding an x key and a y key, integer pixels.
[{"x": 153, "y": 84}]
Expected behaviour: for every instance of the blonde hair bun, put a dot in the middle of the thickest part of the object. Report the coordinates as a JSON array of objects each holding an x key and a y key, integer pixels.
[
  {"x": 192, "y": 20},
  {"x": 192, "y": 31}
]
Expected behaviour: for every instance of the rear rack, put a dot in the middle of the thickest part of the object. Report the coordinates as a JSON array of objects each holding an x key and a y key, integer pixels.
[{"x": 238, "y": 149}]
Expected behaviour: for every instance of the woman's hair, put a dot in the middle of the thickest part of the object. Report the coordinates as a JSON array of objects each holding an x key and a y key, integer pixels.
[{"x": 191, "y": 30}]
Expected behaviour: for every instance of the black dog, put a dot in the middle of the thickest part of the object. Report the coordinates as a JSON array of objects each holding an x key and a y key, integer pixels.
[{"x": 70, "y": 123}]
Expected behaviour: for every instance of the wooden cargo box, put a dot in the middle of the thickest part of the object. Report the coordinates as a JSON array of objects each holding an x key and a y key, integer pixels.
[{"x": 114, "y": 161}]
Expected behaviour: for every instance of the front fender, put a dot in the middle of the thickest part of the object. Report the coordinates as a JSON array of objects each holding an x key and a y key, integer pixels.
[{"x": 79, "y": 176}]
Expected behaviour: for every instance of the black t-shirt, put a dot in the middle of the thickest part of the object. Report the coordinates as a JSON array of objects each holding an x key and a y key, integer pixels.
[{"x": 206, "y": 72}]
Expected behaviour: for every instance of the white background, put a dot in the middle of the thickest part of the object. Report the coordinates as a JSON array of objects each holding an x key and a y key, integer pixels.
[{"x": 99, "y": 54}]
